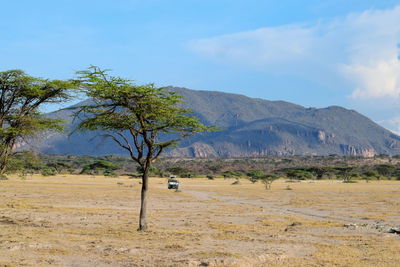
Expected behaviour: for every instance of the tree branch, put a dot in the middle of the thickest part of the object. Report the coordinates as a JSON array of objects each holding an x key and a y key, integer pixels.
[{"x": 128, "y": 148}]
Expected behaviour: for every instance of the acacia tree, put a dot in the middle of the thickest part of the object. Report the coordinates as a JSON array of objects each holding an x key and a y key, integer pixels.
[
  {"x": 142, "y": 119},
  {"x": 20, "y": 99}
]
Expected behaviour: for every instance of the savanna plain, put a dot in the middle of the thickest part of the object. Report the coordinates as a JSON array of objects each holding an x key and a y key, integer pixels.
[{"x": 78, "y": 220}]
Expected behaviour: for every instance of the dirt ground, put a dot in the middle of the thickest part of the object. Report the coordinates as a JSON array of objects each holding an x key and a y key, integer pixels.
[{"x": 92, "y": 221}]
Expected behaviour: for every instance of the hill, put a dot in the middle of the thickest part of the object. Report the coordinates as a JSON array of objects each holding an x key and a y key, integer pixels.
[{"x": 250, "y": 127}]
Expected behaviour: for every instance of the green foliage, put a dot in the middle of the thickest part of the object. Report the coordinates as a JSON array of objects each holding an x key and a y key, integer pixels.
[
  {"x": 396, "y": 174},
  {"x": 100, "y": 166},
  {"x": 345, "y": 172},
  {"x": 253, "y": 179},
  {"x": 144, "y": 111},
  {"x": 371, "y": 173},
  {"x": 215, "y": 168},
  {"x": 319, "y": 171},
  {"x": 232, "y": 174},
  {"x": 187, "y": 175},
  {"x": 21, "y": 98},
  {"x": 59, "y": 166},
  {"x": 255, "y": 173},
  {"x": 385, "y": 169},
  {"x": 210, "y": 177},
  {"x": 24, "y": 161},
  {"x": 349, "y": 181},
  {"x": 48, "y": 172},
  {"x": 152, "y": 170},
  {"x": 267, "y": 180},
  {"x": 150, "y": 116},
  {"x": 355, "y": 175},
  {"x": 299, "y": 174},
  {"x": 236, "y": 182},
  {"x": 110, "y": 173},
  {"x": 176, "y": 170}
]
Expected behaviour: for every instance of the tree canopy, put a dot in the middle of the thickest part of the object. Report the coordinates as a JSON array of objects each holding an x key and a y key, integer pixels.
[
  {"x": 21, "y": 96},
  {"x": 142, "y": 119}
]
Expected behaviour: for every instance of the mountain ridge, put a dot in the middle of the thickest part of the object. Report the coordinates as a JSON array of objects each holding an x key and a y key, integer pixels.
[{"x": 251, "y": 127}]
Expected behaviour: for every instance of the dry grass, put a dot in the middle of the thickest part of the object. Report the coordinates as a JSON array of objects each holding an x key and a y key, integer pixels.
[{"x": 88, "y": 221}]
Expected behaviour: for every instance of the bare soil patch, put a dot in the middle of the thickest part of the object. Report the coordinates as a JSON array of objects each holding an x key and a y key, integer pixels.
[{"x": 86, "y": 221}]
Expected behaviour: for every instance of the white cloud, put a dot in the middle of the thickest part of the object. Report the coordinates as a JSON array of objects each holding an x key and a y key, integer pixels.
[
  {"x": 379, "y": 79},
  {"x": 360, "y": 48},
  {"x": 392, "y": 124}
]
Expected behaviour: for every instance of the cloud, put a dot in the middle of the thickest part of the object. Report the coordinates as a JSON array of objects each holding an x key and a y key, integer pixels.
[
  {"x": 393, "y": 124},
  {"x": 360, "y": 49}
]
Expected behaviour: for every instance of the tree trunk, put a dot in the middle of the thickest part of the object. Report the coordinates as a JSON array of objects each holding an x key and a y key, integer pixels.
[
  {"x": 4, "y": 155},
  {"x": 143, "y": 199}
]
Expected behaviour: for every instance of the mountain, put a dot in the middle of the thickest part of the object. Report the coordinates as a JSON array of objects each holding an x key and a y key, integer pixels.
[{"x": 250, "y": 127}]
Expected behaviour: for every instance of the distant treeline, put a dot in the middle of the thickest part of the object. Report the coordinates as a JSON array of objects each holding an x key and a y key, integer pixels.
[{"x": 295, "y": 168}]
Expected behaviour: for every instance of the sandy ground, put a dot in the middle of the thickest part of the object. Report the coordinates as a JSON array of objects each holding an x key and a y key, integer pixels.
[{"x": 92, "y": 221}]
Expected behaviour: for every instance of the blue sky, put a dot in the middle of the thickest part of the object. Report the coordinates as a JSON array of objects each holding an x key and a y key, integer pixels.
[{"x": 309, "y": 52}]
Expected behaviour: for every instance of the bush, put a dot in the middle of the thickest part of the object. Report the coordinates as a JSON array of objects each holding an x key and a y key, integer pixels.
[
  {"x": 231, "y": 174},
  {"x": 253, "y": 179},
  {"x": 99, "y": 167},
  {"x": 236, "y": 182},
  {"x": 177, "y": 170},
  {"x": 48, "y": 172},
  {"x": 255, "y": 173},
  {"x": 298, "y": 174},
  {"x": 187, "y": 175},
  {"x": 371, "y": 174},
  {"x": 210, "y": 177},
  {"x": 267, "y": 180},
  {"x": 153, "y": 171},
  {"x": 110, "y": 173}
]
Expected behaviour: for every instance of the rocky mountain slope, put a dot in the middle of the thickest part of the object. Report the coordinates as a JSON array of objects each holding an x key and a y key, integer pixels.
[{"x": 251, "y": 127}]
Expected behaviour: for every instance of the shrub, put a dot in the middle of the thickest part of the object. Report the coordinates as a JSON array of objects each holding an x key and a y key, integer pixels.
[
  {"x": 370, "y": 174},
  {"x": 253, "y": 179},
  {"x": 298, "y": 174},
  {"x": 187, "y": 175},
  {"x": 99, "y": 166},
  {"x": 48, "y": 172},
  {"x": 236, "y": 182},
  {"x": 268, "y": 179},
  {"x": 177, "y": 170},
  {"x": 231, "y": 174},
  {"x": 110, "y": 173},
  {"x": 255, "y": 175}
]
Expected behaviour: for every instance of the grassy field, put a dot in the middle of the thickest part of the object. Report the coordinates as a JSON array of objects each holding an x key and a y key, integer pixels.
[{"x": 92, "y": 221}]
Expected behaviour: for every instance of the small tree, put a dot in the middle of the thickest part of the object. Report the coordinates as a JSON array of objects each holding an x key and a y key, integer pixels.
[
  {"x": 21, "y": 96},
  {"x": 385, "y": 169},
  {"x": 370, "y": 174},
  {"x": 298, "y": 174},
  {"x": 255, "y": 175},
  {"x": 345, "y": 172},
  {"x": 142, "y": 119},
  {"x": 100, "y": 166},
  {"x": 24, "y": 162},
  {"x": 268, "y": 179}
]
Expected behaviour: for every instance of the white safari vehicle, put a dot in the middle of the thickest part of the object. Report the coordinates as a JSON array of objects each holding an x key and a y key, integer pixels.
[{"x": 173, "y": 183}]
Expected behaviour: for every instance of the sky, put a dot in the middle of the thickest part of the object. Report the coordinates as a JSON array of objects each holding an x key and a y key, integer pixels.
[{"x": 315, "y": 53}]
